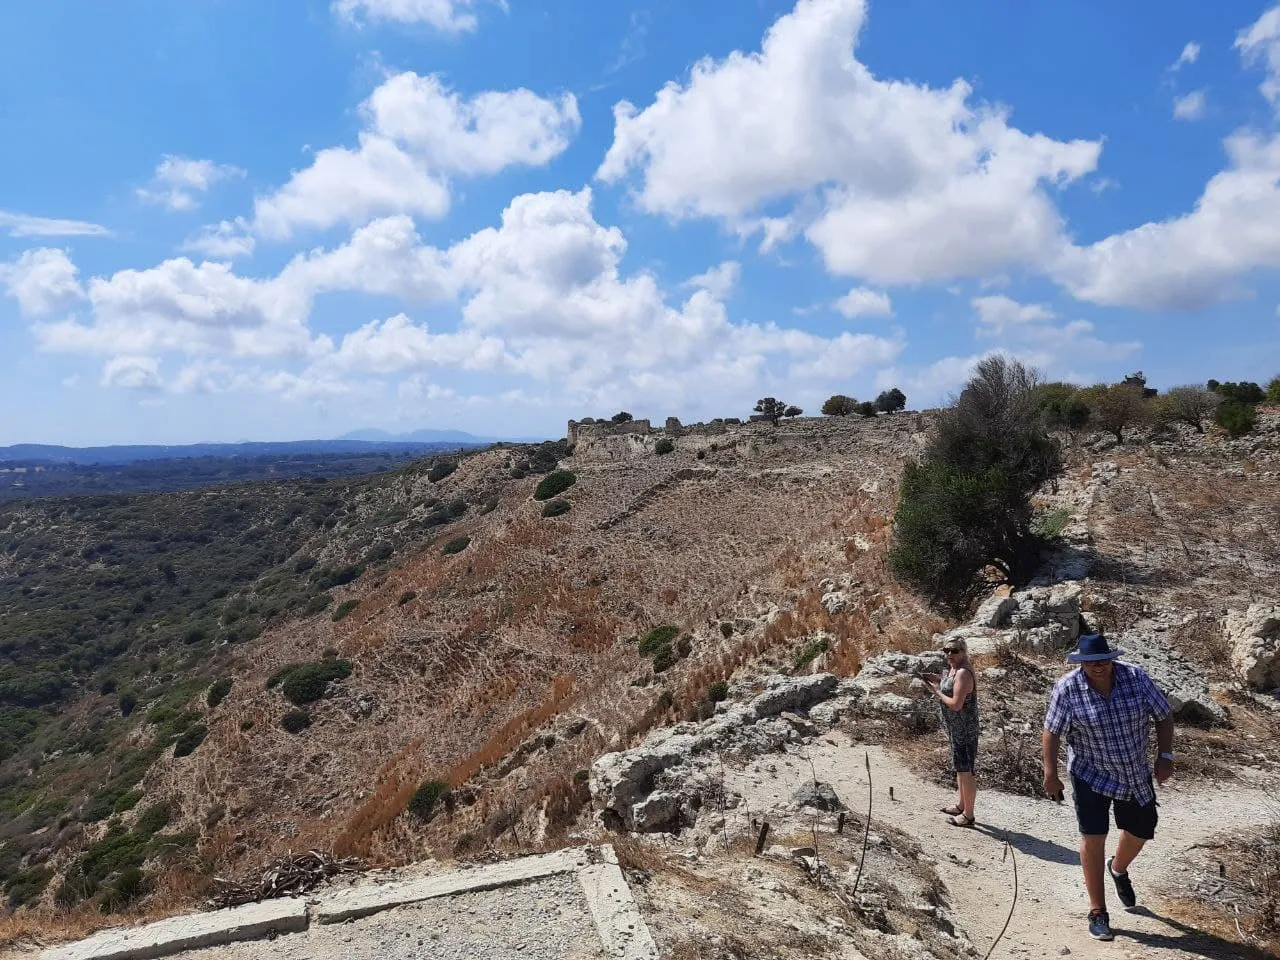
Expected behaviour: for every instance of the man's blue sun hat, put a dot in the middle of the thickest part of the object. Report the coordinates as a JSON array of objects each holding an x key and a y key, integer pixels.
[{"x": 1091, "y": 647}]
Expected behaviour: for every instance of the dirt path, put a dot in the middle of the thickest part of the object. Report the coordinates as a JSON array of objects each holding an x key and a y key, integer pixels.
[{"x": 1050, "y": 919}]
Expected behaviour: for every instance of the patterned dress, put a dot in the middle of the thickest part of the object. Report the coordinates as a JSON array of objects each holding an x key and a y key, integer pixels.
[{"x": 962, "y": 725}]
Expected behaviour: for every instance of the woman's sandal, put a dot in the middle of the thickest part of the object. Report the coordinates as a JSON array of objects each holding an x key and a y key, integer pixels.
[
  {"x": 954, "y": 810},
  {"x": 960, "y": 820}
]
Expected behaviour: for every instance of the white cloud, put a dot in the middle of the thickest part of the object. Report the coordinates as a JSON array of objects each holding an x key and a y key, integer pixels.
[
  {"x": 417, "y": 134},
  {"x": 178, "y": 181},
  {"x": 397, "y": 344},
  {"x": 863, "y": 302},
  {"x": 1190, "y": 54},
  {"x": 719, "y": 281},
  {"x": 131, "y": 373},
  {"x": 1261, "y": 42},
  {"x": 25, "y": 225},
  {"x": 1197, "y": 258},
  {"x": 41, "y": 280},
  {"x": 1028, "y": 330},
  {"x": 225, "y": 240},
  {"x": 916, "y": 183},
  {"x": 448, "y": 16},
  {"x": 1190, "y": 107}
]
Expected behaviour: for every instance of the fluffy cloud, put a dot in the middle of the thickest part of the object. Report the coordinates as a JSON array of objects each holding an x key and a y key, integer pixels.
[
  {"x": 132, "y": 373},
  {"x": 25, "y": 225},
  {"x": 1261, "y": 43},
  {"x": 417, "y": 134},
  {"x": 1028, "y": 331},
  {"x": 178, "y": 181},
  {"x": 915, "y": 183},
  {"x": 448, "y": 16},
  {"x": 718, "y": 281},
  {"x": 862, "y": 302},
  {"x": 41, "y": 280},
  {"x": 225, "y": 240},
  {"x": 1190, "y": 54},
  {"x": 397, "y": 344},
  {"x": 1197, "y": 258},
  {"x": 1190, "y": 107}
]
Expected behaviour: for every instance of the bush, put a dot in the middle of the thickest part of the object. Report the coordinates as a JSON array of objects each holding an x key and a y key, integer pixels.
[
  {"x": 726, "y": 629},
  {"x": 191, "y": 738},
  {"x": 664, "y": 446},
  {"x": 556, "y": 508},
  {"x": 839, "y": 406},
  {"x": 621, "y": 417},
  {"x": 153, "y": 819},
  {"x": 423, "y": 802},
  {"x": 718, "y": 691},
  {"x": 866, "y": 409},
  {"x": 554, "y": 483},
  {"x": 26, "y": 886},
  {"x": 809, "y": 653},
  {"x": 440, "y": 470},
  {"x": 1237, "y": 419},
  {"x": 656, "y": 639},
  {"x": 127, "y": 801},
  {"x": 378, "y": 552},
  {"x": 128, "y": 700},
  {"x": 1246, "y": 392},
  {"x": 966, "y": 507},
  {"x": 295, "y": 721},
  {"x": 1115, "y": 407},
  {"x": 891, "y": 401},
  {"x": 1190, "y": 405},
  {"x": 1061, "y": 406},
  {"x": 306, "y": 683},
  {"x": 407, "y": 596},
  {"x": 345, "y": 607},
  {"x": 456, "y": 545},
  {"x": 773, "y": 410},
  {"x": 218, "y": 691},
  {"x": 1273, "y": 391},
  {"x": 316, "y": 604}
]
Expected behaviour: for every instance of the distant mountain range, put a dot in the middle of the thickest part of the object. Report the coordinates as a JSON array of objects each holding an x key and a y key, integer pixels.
[{"x": 357, "y": 442}]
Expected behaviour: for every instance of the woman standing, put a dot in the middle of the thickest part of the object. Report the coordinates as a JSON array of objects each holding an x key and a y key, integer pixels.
[{"x": 957, "y": 694}]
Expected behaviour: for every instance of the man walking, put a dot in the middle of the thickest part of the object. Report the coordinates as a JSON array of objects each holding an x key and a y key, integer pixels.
[{"x": 1104, "y": 709}]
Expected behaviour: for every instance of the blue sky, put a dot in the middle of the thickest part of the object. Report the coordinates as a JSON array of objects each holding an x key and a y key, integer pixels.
[{"x": 225, "y": 220}]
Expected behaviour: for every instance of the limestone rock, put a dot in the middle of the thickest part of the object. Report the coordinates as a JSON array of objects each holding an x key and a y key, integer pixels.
[
  {"x": 793, "y": 693},
  {"x": 994, "y": 612},
  {"x": 819, "y": 795},
  {"x": 1254, "y": 635}
]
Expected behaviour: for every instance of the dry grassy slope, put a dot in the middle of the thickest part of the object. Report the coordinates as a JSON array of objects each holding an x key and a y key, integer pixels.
[{"x": 526, "y": 629}]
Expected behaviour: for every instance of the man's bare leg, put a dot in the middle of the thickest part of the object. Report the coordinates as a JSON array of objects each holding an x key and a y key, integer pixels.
[
  {"x": 1093, "y": 858},
  {"x": 1128, "y": 848}
]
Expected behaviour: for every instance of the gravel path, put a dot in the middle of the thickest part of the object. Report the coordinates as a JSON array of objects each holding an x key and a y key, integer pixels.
[{"x": 542, "y": 920}]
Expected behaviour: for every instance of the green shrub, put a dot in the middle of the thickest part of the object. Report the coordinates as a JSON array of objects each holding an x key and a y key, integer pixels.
[
  {"x": 247, "y": 724},
  {"x": 295, "y": 721},
  {"x": 127, "y": 887},
  {"x": 308, "y": 682},
  {"x": 190, "y": 739},
  {"x": 407, "y": 596},
  {"x": 456, "y": 545},
  {"x": 378, "y": 552},
  {"x": 1246, "y": 392},
  {"x": 1049, "y": 526},
  {"x": 718, "y": 691},
  {"x": 128, "y": 700},
  {"x": 1273, "y": 391},
  {"x": 839, "y": 405},
  {"x": 423, "y": 802},
  {"x": 345, "y": 607},
  {"x": 809, "y": 653},
  {"x": 153, "y": 819},
  {"x": 1237, "y": 419},
  {"x": 891, "y": 401},
  {"x": 26, "y": 886},
  {"x": 554, "y": 483},
  {"x": 664, "y": 446},
  {"x": 218, "y": 691},
  {"x": 127, "y": 801},
  {"x": 556, "y": 508},
  {"x": 440, "y": 470},
  {"x": 317, "y": 603},
  {"x": 656, "y": 639},
  {"x": 726, "y": 629}
]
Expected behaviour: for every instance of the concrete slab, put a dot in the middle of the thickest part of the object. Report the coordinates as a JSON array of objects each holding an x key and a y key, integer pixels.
[
  {"x": 372, "y": 898},
  {"x": 192, "y": 932},
  {"x": 622, "y": 929}
]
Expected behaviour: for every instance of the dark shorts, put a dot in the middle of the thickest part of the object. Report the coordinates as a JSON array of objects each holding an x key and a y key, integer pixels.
[
  {"x": 963, "y": 755},
  {"x": 1093, "y": 813}
]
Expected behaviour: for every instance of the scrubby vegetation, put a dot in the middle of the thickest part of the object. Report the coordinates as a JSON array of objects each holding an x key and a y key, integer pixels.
[
  {"x": 303, "y": 683},
  {"x": 295, "y": 721},
  {"x": 556, "y": 508},
  {"x": 660, "y": 645},
  {"x": 218, "y": 691},
  {"x": 423, "y": 802},
  {"x": 664, "y": 446},
  {"x": 773, "y": 410},
  {"x": 341, "y": 611},
  {"x": 456, "y": 545},
  {"x": 965, "y": 508},
  {"x": 554, "y": 484}
]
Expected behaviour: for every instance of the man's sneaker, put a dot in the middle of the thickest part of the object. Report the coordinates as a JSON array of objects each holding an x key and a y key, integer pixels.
[
  {"x": 1100, "y": 925},
  {"x": 1124, "y": 888}
]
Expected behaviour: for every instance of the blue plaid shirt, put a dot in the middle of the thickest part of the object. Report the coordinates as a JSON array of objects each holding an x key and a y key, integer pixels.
[{"x": 1107, "y": 736}]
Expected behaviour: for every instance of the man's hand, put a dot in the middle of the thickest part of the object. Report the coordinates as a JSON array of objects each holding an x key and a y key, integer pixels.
[
  {"x": 1164, "y": 770},
  {"x": 1053, "y": 785}
]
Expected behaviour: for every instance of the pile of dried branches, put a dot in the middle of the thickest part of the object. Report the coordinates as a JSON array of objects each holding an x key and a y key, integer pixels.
[{"x": 284, "y": 877}]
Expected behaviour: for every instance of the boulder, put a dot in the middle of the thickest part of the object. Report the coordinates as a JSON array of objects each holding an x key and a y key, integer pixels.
[
  {"x": 793, "y": 693},
  {"x": 994, "y": 612},
  {"x": 1048, "y": 616},
  {"x": 1254, "y": 636},
  {"x": 819, "y": 795},
  {"x": 660, "y": 811},
  {"x": 1182, "y": 683}
]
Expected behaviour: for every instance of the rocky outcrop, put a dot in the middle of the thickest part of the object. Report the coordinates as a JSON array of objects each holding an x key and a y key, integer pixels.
[
  {"x": 1254, "y": 636},
  {"x": 1182, "y": 682}
]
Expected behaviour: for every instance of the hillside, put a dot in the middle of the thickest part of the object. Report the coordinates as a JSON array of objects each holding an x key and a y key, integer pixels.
[{"x": 434, "y": 627}]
